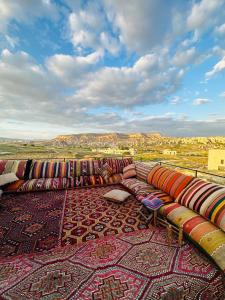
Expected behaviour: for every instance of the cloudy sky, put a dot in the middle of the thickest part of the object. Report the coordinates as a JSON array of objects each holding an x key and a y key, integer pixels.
[{"x": 70, "y": 66}]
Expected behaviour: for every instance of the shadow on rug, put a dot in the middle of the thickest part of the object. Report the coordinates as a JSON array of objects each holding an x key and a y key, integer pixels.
[
  {"x": 137, "y": 265},
  {"x": 89, "y": 216},
  {"x": 30, "y": 222}
]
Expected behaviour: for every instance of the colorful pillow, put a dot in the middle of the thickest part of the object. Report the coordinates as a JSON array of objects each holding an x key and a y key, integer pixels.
[
  {"x": 85, "y": 167},
  {"x": 169, "y": 181},
  {"x": 45, "y": 169},
  {"x": 17, "y": 167},
  {"x": 129, "y": 171},
  {"x": 207, "y": 199},
  {"x": 142, "y": 170},
  {"x": 7, "y": 178},
  {"x": 118, "y": 165},
  {"x": 117, "y": 195},
  {"x": 152, "y": 202},
  {"x": 105, "y": 171}
]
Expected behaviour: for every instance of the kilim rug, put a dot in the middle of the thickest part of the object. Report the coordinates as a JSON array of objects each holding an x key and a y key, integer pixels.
[
  {"x": 30, "y": 222},
  {"x": 136, "y": 265},
  {"x": 89, "y": 216}
]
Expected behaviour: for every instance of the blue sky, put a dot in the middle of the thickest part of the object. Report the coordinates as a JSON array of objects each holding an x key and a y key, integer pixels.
[{"x": 111, "y": 65}]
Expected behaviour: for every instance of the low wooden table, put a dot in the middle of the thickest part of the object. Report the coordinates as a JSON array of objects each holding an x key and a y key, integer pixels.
[{"x": 171, "y": 229}]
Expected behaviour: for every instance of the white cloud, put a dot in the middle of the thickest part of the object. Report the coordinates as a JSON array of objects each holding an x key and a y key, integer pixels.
[
  {"x": 200, "y": 101},
  {"x": 72, "y": 69},
  {"x": 220, "y": 66},
  {"x": 143, "y": 25},
  {"x": 175, "y": 100},
  {"x": 150, "y": 80},
  {"x": 185, "y": 57},
  {"x": 25, "y": 11},
  {"x": 222, "y": 95},
  {"x": 88, "y": 29},
  {"x": 220, "y": 29},
  {"x": 205, "y": 14}
]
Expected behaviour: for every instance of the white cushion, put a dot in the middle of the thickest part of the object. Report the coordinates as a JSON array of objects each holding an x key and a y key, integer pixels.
[
  {"x": 8, "y": 178},
  {"x": 117, "y": 195}
]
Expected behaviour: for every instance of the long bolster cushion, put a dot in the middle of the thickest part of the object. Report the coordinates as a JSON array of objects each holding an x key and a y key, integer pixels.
[
  {"x": 207, "y": 199},
  {"x": 169, "y": 181},
  {"x": 43, "y": 184},
  {"x": 204, "y": 233}
]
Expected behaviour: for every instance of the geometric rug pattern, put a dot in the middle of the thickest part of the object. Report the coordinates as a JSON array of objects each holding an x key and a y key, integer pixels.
[
  {"x": 89, "y": 216},
  {"x": 30, "y": 222},
  {"x": 135, "y": 265}
]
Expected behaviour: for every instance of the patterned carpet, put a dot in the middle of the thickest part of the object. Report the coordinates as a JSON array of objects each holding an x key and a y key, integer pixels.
[
  {"x": 36, "y": 222},
  {"x": 136, "y": 265},
  {"x": 89, "y": 216},
  {"x": 30, "y": 222}
]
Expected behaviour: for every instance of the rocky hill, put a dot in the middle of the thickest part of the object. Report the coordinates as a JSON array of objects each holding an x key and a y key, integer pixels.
[{"x": 133, "y": 139}]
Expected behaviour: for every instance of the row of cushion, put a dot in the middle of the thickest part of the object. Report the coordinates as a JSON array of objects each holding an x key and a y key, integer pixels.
[{"x": 28, "y": 169}]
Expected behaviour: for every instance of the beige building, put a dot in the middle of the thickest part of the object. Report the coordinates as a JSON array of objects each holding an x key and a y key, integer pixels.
[
  {"x": 216, "y": 159},
  {"x": 169, "y": 152}
]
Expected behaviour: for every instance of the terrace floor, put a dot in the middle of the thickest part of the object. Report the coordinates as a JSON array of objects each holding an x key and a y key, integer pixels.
[{"x": 76, "y": 245}]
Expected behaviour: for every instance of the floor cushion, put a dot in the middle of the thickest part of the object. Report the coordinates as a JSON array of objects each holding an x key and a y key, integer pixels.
[
  {"x": 115, "y": 178},
  {"x": 129, "y": 171},
  {"x": 80, "y": 181},
  {"x": 204, "y": 233},
  {"x": 137, "y": 186},
  {"x": 117, "y": 195},
  {"x": 118, "y": 164},
  {"x": 143, "y": 169},
  {"x": 42, "y": 184},
  {"x": 7, "y": 178}
]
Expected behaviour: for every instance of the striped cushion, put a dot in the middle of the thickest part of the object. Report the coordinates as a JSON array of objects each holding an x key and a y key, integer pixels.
[
  {"x": 142, "y": 170},
  {"x": 207, "y": 199},
  {"x": 129, "y": 171},
  {"x": 115, "y": 178},
  {"x": 92, "y": 180},
  {"x": 45, "y": 169},
  {"x": 137, "y": 187},
  {"x": 43, "y": 184},
  {"x": 169, "y": 181},
  {"x": 118, "y": 164},
  {"x": 85, "y": 167},
  {"x": 207, "y": 235},
  {"x": 162, "y": 196},
  {"x": 13, "y": 166}
]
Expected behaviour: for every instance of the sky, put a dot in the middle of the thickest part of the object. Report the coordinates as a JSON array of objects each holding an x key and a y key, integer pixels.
[{"x": 70, "y": 66}]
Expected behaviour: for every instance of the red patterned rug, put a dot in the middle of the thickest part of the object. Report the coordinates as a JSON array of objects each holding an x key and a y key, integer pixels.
[
  {"x": 136, "y": 265},
  {"x": 30, "y": 222},
  {"x": 89, "y": 216}
]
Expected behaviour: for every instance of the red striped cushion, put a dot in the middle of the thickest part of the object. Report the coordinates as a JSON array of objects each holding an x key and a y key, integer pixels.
[
  {"x": 207, "y": 199},
  {"x": 142, "y": 170},
  {"x": 118, "y": 164},
  {"x": 85, "y": 167},
  {"x": 45, "y": 169},
  {"x": 169, "y": 181},
  {"x": 13, "y": 166}
]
